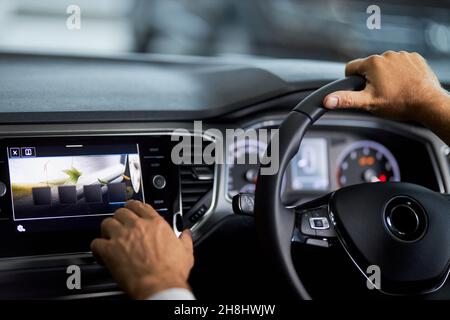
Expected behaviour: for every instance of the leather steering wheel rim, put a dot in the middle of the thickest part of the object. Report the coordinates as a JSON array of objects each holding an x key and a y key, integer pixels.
[{"x": 275, "y": 223}]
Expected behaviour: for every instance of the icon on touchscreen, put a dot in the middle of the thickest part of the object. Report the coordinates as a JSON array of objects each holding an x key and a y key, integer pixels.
[
  {"x": 117, "y": 192},
  {"x": 93, "y": 193},
  {"x": 42, "y": 196},
  {"x": 14, "y": 152},
  {"x": 67, "y": 194},
  {"x": 28, "y": 152}
]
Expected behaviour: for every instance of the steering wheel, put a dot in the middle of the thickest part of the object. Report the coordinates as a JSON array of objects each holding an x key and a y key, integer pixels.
[{"x": 401, "y": 228}]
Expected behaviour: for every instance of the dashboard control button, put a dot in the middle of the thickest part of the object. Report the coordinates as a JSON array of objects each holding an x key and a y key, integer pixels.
[
  {"x": 316, "y": 223},
  {"x": 319, "y": 223},
  {"x": 159, "y": 182},
  {"x": 155, "y": 165},
  {"x": 2, "y": 189},
  {"x": 158, "y": 202}
]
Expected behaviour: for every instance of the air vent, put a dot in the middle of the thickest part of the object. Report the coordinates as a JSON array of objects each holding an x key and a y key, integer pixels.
[{"x": 197, "y": 181}]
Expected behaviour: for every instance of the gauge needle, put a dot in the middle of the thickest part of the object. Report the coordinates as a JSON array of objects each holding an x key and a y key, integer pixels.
[
  {"x": 251, "y": 175},
  {"x": 370, "y": 175}
]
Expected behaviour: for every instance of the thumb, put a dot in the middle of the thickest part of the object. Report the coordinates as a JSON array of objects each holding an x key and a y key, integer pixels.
[
  {"x": 348, "y": 99},
  {"x": 186, "y": 240}
]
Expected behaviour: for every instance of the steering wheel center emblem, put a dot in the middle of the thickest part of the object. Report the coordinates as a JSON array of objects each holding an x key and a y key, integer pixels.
[{"x": 405, "y": 219}]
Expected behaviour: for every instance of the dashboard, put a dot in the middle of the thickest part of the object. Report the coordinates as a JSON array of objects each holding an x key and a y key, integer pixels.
[{"x": 56, "y": 189}]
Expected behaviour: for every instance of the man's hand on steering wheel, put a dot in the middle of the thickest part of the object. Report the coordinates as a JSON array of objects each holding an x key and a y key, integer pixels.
[{"x": 400, "y": 85}]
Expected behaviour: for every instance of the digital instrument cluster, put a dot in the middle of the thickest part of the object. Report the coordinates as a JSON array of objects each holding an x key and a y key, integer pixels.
[{"x": 312, "y": 170}]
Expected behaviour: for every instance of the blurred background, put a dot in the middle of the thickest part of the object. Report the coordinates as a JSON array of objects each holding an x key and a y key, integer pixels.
[{"x": 319, "y": 29}]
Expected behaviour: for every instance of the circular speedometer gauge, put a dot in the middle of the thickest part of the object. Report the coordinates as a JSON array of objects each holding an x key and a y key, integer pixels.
[
  {"x": 366, "y": 161},
  {"x": 243, "y": 165}
]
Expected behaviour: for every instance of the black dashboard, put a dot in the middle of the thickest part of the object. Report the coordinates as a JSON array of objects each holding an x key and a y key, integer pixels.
[{"x": 74, "y": 145}]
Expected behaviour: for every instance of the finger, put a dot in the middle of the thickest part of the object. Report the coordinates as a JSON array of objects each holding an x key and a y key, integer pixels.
[
  {"x": 186, "y": 239},
  {"x": 390, "y": 53},
  {"x": 348, "y": 99},
  {"x": 111, "y": 228},
  {"x": 356, "y": 67},
  {"x": 99, "y": 249},
  {"x": 363, "y": 66},
  {"x": 417, "y": 57},
  {"x": 126, "y": 216},
  {"x": 141, "y": 209}
]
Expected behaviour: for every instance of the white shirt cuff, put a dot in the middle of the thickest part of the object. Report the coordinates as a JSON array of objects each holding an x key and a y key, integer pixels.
[{"x": 173, "y": 294}]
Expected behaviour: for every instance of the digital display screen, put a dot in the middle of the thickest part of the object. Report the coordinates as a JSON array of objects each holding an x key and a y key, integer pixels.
[
  {"x": 71, "y": 181},
  {"x": 310, "y": 166}
]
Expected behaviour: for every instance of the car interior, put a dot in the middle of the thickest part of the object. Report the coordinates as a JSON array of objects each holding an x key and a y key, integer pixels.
[{"x": 81, "y": 132}]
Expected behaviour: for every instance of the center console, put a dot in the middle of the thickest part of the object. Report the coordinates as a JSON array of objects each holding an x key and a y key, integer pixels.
[{"x": 55, "y": 191}]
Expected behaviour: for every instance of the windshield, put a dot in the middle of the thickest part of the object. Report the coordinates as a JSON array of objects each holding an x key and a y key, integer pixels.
[{"x": 329, "y": 30}]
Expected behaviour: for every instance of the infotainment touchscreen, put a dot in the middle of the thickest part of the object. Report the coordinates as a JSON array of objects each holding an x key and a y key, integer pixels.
[{"x": 71, "y": 181}]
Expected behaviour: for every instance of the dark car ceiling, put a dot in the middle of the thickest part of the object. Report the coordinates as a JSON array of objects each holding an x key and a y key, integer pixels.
[{"x": 52, "y": 88}]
